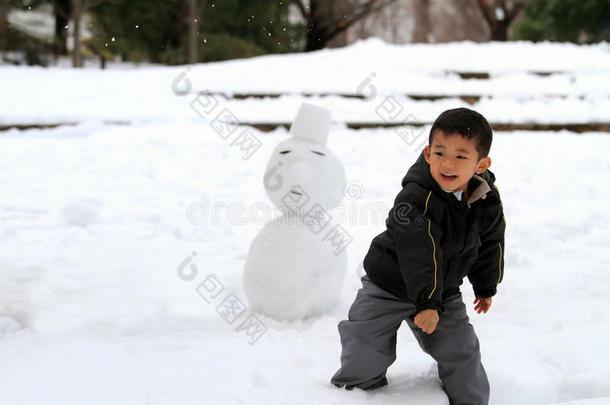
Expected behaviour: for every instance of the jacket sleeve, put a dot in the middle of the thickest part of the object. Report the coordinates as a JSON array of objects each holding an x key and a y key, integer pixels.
[
  {"x": 416, "y": 236},
  {"x": 488, "y": 269}
]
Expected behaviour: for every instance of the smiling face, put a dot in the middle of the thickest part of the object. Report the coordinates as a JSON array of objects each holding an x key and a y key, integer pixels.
[
  {"x": 302, "y": 173},
  {"x": 453, "y": 160}
]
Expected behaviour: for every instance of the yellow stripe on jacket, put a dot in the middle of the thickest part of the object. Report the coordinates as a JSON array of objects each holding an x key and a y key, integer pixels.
[{"x": 433, "y": 245}]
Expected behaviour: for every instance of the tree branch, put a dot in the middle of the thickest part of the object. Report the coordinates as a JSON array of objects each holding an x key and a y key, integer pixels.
[
  {"x": 484, "y": 7},
  {"x": 368, "y": 8},
  {"x": 514, "y": 11}
]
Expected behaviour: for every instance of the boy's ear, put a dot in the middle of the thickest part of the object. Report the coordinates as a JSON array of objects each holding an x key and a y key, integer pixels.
[
  {"x": 484, "y": 164},
  {"x": 427, "y": 154}
]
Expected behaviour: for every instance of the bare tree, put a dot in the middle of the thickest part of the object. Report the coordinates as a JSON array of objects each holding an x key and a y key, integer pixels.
[
  {"x": 466, "y": 21},
  {"x": 499, "y": 14},
  {"x": 325, "y": 22},
  {"x": 331, "y": 8},
  {"x": 422, "y": 29},
  {"x": 393, "y": 24},
  {"x": 455, "y": 20}
]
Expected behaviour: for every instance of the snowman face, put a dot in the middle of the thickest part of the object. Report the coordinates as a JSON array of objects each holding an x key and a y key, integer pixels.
[{"x": 301, "y": 173}]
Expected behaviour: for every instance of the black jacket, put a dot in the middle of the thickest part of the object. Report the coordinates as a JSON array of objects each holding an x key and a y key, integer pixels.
[{"x": 433, "y": 240}]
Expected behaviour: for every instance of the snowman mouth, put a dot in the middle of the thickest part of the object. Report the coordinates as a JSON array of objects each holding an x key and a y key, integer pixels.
[{"x": 295, "y": 192}]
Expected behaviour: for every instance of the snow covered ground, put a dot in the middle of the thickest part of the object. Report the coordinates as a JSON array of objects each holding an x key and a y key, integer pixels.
[
  {"x": 97, "y": 219},
  {"x": 577, "y": 92}
]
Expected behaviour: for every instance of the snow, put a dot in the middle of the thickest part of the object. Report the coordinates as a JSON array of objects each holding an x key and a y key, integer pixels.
[
  {"x": 39, "y": 23},
  {"x": 81, "y": 212},
  {"x": 292, "y": 272},
  {"x": 579, "y": 90},
  {"x": 97, "y": 218}
]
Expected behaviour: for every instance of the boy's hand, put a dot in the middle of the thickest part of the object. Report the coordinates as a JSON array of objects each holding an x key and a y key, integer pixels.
[
  {"x": 427, "y": 320},
  {"x": 482, "y": 304}
]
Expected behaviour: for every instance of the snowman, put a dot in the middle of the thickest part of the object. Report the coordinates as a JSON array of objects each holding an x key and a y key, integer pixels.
[{"x": 292, "y": 271}]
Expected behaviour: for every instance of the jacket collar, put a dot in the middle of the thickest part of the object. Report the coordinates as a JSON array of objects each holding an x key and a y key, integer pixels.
[{"x": 480, "y": 192}]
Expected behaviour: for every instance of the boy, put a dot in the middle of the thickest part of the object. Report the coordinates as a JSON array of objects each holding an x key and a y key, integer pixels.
[{"x": 446, "y": 223}]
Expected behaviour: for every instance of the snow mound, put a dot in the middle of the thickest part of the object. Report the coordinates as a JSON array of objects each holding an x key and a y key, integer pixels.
[
  {"x": 588, "y": 401},
  {"x": 81, "y": 212},
  {"x": 8, "y": 325}
]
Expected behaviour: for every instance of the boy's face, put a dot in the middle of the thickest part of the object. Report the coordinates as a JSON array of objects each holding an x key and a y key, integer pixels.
[{"x": 453, "y": 160}]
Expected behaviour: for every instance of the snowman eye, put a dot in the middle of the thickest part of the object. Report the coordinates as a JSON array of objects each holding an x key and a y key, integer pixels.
[
  {"x": 319, "y": 153},
  {"x": 284, "y": 152}
]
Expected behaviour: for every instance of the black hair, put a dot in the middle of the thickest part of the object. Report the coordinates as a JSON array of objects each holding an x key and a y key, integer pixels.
[{"x": 467, "y": 123}]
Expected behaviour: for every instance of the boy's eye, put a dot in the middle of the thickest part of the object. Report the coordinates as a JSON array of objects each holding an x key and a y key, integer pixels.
[
  {"x": 461, "y": 157},
  {"x": 438, "y": 153}
]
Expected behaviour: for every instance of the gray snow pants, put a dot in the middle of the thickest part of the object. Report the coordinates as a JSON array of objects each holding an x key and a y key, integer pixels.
[{"x": 368, "y": 338}]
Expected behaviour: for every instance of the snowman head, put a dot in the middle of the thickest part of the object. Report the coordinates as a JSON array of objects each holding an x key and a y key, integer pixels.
[{"x": 302, "y": 171}]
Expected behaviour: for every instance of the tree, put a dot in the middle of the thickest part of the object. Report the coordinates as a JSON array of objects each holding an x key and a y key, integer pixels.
[
  {"x": 63, "y": 11},
  {"x": 163, "y": 31},
  {"x": 565, "y": 20},
  {"x": 194, "y": 8},
  {"x": 324, "y": 21},
  {"x": 422, "y": 29},
  {"x": 4, "y": 9},
  {"x": 79, "y": 9},
  {"x": 499, "y": 14},
  {"x": 144, "y": 30}
]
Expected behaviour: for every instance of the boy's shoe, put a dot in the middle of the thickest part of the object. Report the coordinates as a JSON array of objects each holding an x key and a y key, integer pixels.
[{"x": 378, "y": 384}]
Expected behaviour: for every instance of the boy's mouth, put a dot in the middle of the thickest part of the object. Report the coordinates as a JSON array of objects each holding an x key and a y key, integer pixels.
[{"x": 448, "y": 177}]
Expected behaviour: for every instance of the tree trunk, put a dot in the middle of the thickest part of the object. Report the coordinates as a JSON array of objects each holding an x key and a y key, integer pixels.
[
  {"x": 499, "y": 30},
  {"x": 77, "y": 15},
  {"x": 316, "y": 37},
  {"x": 62, "y": 13},
  {"x": 336, "y": 9},
  {"x": 422, "y": 29},
  {"x": 193, "y": 24},
  {"x": 4, "y": 9},
  {"x": 499, "y": 26}
]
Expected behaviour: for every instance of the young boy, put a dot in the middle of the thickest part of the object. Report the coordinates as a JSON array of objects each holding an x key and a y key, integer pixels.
[{"x": 447, "y": 223}]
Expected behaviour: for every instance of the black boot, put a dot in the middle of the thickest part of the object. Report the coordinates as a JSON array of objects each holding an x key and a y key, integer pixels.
[{"x": 378, "y": 384}]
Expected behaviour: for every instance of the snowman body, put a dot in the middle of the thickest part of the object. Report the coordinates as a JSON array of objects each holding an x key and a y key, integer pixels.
[
  {"x": 293, "y": 270},
  {"x": 284, "y": 279}
]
